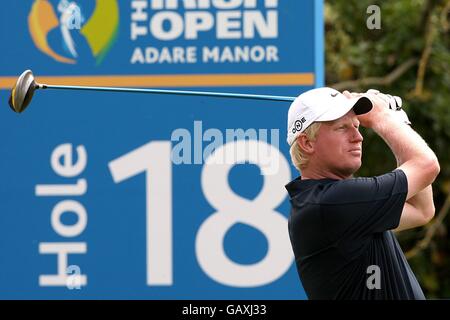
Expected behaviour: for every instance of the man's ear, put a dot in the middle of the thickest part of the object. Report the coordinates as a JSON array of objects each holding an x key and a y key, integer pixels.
[{"x": 306, "y": 145}]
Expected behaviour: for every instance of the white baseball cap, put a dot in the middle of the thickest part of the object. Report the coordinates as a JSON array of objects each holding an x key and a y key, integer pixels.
[{"x": 321, "y": 104}]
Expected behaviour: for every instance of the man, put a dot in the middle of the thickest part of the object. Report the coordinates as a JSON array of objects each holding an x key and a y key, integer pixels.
[{"x": 340, "y": 226}]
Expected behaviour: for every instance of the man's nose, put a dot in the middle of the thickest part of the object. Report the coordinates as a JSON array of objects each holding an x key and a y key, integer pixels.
[{"x": 357, "y": 136}]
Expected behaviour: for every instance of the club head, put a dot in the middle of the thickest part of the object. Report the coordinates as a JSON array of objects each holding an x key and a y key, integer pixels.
[{"x": 22, "y": 92}]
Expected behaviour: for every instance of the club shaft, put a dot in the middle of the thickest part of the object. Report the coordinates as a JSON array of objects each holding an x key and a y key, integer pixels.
[{"x": 173, "y": 92}]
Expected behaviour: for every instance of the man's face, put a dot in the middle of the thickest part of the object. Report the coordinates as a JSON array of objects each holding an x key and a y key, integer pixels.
[{"x": 338, "y": 146}]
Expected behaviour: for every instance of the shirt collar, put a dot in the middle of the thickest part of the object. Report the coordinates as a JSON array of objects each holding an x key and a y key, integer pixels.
[{"x": 298, "y": 184}]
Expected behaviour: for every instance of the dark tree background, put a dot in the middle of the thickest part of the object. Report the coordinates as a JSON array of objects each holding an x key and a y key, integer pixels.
[{"x": 408, "y": 56}]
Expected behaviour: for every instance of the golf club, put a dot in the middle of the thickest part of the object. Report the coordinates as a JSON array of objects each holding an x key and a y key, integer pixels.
[{"x": 24, "y": 88}]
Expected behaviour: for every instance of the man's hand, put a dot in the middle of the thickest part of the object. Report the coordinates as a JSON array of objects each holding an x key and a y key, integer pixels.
[
  {"x": 378, "y": 113},
  {"x": 395, "y": 104},
  {"x": 380, "y": 101}
]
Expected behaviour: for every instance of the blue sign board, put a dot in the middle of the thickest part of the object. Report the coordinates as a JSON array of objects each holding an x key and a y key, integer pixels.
[{"x": 133, "y": 196}]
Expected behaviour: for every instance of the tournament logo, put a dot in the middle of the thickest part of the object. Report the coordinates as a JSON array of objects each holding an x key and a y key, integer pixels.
[{"x": 61, "y": 29}]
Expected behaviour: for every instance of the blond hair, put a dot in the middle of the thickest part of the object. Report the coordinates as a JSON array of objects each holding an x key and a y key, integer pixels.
[{"x": 298, "y": 157}]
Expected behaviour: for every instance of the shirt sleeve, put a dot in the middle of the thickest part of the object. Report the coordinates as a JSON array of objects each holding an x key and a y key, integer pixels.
[{"x": 357, "y": 208}]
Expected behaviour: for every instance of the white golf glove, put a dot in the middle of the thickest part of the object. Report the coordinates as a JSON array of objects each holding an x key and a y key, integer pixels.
[{"x": 394, "y": 103}]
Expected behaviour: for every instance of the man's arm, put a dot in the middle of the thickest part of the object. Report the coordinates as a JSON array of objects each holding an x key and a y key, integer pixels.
[
  {"x": 414, "y": 157},
  {"x": 418, "y": 210}
]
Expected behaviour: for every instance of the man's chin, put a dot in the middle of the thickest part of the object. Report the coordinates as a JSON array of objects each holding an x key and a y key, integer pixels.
[{"x": 350, "y": 171}]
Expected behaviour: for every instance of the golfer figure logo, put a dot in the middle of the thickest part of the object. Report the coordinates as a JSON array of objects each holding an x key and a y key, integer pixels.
[{"x": 62, "y": 29}]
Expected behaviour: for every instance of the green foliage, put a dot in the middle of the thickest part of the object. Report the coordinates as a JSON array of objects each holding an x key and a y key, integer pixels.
[{"x": 354, "y": 52}]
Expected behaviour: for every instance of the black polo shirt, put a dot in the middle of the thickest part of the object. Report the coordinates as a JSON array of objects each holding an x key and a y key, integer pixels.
[{"x": 341, "y": 238}]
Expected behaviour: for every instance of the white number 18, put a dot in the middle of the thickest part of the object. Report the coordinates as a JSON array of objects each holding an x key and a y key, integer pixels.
[{"x": 154, "y": 159}]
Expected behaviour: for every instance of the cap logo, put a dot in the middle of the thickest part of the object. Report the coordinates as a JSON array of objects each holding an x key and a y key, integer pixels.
[
  {"x": 298, "y": 125},
  {"x": 334, "y": 94}
]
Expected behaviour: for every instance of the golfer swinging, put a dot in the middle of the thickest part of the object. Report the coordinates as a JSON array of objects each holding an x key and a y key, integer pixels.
[{"x": 340, "y": 226}]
